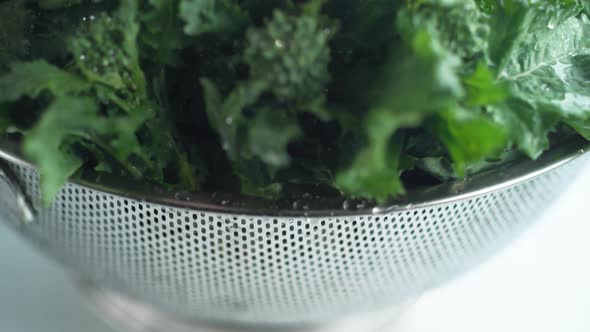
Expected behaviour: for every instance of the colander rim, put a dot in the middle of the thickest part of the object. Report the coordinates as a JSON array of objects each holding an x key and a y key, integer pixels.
[{"x": 446, "y": 193}]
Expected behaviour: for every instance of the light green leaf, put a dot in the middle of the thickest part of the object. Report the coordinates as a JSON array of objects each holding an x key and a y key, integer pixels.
[
  {"x": 418, "y": 83},
  {"x": 483, "y": 88},
  {"x": 32, "y": 78},
  {"x": 45, "y": 143},
  {"x": 269, "y": 133},
  {"x": 469, "y": 136}
]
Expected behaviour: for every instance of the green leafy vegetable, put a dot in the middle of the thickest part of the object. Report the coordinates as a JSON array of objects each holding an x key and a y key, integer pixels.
[
  {"x": 15, "y": 33},
  {"x": 66, "y": 120},
  {"x": 202, "y": 16},
  {"x": 32, "y": 78},
  {"x": 163, "y": 30},
  {"x": 249, "y": 96}
]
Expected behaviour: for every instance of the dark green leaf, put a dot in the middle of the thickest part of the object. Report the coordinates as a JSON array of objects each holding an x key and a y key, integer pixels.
[
  {"x": 203, "y": 16},
  {"x": 269, "y": 133},
  {"x": 15, "y": 30},
  {"x": 163, "y": 31},
  {"x": 56, "y": 4},
  {"x": 546, "y": 74}
]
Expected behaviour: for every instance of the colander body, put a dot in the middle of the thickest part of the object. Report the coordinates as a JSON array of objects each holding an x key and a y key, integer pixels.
[{"x": 265, "y": 269}]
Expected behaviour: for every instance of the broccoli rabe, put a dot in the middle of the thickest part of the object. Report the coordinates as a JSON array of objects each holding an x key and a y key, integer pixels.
[
  {"x": 368, "y": 97},
  {"x": 98, "y": 106},
  {"x": 291, "y": 54}
]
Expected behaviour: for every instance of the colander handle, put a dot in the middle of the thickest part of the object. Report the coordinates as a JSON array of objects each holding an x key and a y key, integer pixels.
[{"x": 15, "y": 206}]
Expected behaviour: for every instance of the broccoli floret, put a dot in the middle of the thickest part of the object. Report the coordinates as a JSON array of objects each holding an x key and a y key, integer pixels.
[
  {"x": 105, "y": 51},
  {"x": 291, "y": 53}
]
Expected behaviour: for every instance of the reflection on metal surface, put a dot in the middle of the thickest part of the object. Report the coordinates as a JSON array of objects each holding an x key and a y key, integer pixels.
[
  {"x": 131, "y": 316},
  {"x": 323, "y": 205},
  {"x": 208, "y": 262},
  {"x": 14, "y": 204}
]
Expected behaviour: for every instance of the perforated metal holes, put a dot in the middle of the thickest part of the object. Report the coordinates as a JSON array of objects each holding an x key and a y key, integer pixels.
[{"x": 265, "y": 269}]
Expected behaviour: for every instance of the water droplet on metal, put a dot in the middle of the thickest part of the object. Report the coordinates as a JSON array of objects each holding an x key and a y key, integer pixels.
[
  {"x": 346, "y": 204},
  {"x": 182, "y": 196},
  {"x": 378, "y": 210}
]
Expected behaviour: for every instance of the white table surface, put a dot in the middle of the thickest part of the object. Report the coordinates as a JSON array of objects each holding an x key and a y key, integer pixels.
[{"x": 541, "y": 282}]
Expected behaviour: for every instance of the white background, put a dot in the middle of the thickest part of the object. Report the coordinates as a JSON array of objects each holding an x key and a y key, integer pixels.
[{"x": 539, "y": 283}]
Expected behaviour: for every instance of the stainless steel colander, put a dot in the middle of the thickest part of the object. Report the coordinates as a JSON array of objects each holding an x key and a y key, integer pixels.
[{"x": 218, "y": 258}]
